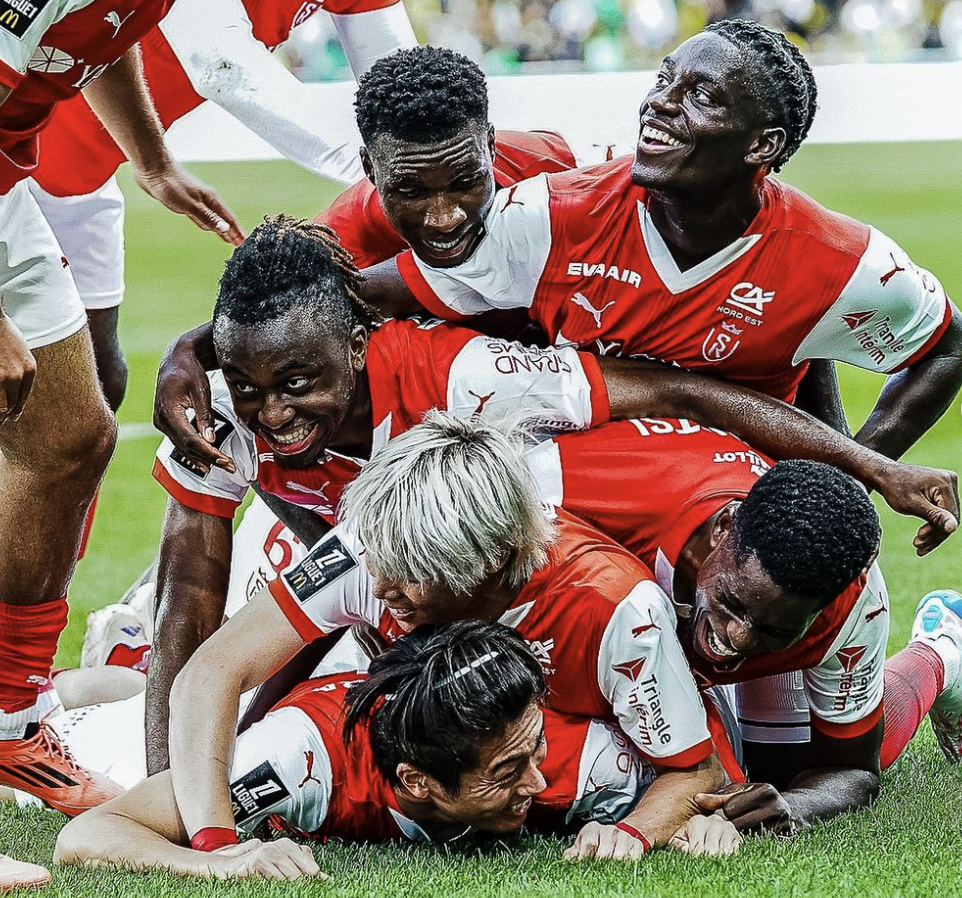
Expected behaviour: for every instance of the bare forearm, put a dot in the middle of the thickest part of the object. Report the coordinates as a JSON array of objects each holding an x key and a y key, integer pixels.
[
  {"x": 668, "y": 803},
  {"x": 384, "y": 288},
  {"x": 825, "y": 792},
  {"x": 101, "y": 838},
  {"x": 122, "y": 102},
  {"x": 771, "y": 426}
]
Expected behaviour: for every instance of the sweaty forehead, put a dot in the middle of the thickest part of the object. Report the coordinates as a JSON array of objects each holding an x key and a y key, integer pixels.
[
  {"x": 271, "y": 344},
  {"x": 715, "y": 58},
  {"x": 465, "y": 152}
]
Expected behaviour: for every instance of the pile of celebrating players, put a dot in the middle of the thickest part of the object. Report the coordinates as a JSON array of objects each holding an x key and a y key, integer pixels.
[{"x": 558, "y": 525}]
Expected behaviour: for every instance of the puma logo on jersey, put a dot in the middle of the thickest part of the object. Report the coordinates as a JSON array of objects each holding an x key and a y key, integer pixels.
[
  {"x": 579, "y": 299},
  {"x": 885, "y": 278},
  {"x": 874, "y": 614},
  {"x": 603, "y": 270},
  {"x": 113, "y": 19},
  {"x": 749, "y": 298},
  {"x": 309, "y": 776},
  {"x": 307, "y": 491},
  {"x": 482, "y": 402},
  {"x": 511, "y": 200},
  {"x": 644, "y": 628}
]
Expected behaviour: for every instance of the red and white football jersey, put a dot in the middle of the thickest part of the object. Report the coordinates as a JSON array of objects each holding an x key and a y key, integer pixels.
[
  {"x": 78, "y": 155},
  {"x": 358, "y": 219},
  {"x": 293, "y": 769},
  {"x": 601, "y": 627},
  {"x": 651, "y": 483},
  {"x": 49, "y": 51},
  {"x": 580, "y": 251},
  {"x": 412, "y": 368}
]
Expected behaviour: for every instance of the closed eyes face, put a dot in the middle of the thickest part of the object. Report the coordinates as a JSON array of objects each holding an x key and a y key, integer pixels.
[{"x": 739, "y": 611}]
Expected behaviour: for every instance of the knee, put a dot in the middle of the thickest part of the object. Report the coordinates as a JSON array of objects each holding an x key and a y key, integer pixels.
[{"x": 86, "y": 449}]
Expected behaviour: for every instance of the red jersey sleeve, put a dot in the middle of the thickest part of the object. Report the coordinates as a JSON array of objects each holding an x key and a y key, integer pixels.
[{"x": 358, "y": 220}]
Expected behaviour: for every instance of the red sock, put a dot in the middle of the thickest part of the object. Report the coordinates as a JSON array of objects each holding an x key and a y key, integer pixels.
[
  {"x": 28, "y": 642},
  {"x": 913, "y": 680},
  {"x": 88, "y": 523}
]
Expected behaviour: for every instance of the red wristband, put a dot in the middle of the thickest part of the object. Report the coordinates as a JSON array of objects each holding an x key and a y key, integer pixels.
[
  {"x": 634, "y": 833},
  {"x": 210, "y": 838}
]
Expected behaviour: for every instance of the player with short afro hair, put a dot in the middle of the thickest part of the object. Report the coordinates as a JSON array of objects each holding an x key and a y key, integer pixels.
[
  {"x": 423, "y": 95},
  {"x": 812, "y": 528}
]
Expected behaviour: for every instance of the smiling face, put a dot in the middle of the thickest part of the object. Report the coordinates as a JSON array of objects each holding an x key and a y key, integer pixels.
[
  {"x": 702, "y": 127},
  {"x": 290, "y": 383},
  {"x": 496, "y": 795},
  {"x": 413, "y": 604},
  {"x": 739, "y": 611},
  {"x": 436, "y": 195}
]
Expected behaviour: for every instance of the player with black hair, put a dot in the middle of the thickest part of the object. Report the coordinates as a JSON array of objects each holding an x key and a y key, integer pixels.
[
  {"x": 444, "y": 736},
  {"x": 691, "y": 253}
]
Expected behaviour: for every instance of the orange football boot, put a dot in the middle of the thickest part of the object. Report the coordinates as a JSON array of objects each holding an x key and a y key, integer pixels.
[
  {"x": 42, "y": 766},
  {"x": 18, "y": 875}
]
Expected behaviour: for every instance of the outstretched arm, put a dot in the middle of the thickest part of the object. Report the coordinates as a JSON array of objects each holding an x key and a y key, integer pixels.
[
  {"x": 242, "y": 654},
  {"x": 645, "y": 389},
  {"x": 120, "y": 99}
]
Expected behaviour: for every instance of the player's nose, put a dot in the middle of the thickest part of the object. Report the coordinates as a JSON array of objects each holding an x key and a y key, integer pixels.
[
  {"x": 741, "y": 637},
  {"x": 445, "y": 217},
  {"x": 275, "y": 412}
]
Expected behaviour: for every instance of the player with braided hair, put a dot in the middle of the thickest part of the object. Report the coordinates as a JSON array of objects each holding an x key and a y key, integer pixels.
[
  {"x": 692, "y": 253},
  {"x": 443, "y": 737}
]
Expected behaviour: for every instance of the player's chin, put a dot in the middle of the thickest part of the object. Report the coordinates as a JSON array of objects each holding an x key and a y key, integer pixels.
[{"x": 512, "y": 818}]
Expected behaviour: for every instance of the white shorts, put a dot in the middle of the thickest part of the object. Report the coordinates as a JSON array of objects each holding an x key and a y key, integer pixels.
[
  {"x": 90, "y": 229},
  {"x": 39, "y": 293}
]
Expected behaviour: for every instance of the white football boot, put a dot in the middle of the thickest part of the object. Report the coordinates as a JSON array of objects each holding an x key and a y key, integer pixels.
[{"x": 938, "y": 623}]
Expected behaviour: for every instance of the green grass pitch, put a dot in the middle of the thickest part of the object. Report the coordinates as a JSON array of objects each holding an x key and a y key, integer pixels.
[{"x": 907, "y": 844}]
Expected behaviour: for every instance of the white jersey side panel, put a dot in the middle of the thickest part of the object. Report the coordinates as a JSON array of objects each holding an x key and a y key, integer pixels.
[
  {"x": 642, "y": 671},
  {"x": 887, "y": 312},
  {"x": 492, "y": 378}
]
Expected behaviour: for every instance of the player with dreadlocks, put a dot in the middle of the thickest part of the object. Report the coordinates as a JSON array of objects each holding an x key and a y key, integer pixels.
[{"x": 692, "y": 253}]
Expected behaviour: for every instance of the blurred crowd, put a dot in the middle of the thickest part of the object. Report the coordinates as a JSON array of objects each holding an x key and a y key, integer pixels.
[{"x": 507, "y": 36}]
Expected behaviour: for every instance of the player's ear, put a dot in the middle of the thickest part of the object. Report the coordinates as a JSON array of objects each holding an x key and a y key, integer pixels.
[
  {"x": 723, "y": 524},
  {"x": 366, "y": 163},
  {"x": 767, "y": 147},
  {"x": 357, "y": 347},
  {"x": 413, "y": 780}
]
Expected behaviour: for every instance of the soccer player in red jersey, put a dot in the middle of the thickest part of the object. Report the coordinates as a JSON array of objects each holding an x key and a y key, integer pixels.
[
  {"x": 443, "y": 737},
  {"x": 301, "y": 430},
  {"x": 691, "y": 253},
  {"x": 433, "y": 162},
  {"x": 203, "y": 49},
  {"x": 55, "y": 446}
]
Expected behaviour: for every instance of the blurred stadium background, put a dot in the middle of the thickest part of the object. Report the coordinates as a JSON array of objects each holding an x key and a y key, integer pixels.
[{"x": 532, "y": 36}]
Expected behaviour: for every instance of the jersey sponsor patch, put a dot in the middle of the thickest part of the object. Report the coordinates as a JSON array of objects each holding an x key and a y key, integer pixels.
[
  {"x": 325, "y": 563},
  {"x": 222, "y": 430},
  {"x": 256, "y": 792},
  {"x": 16, "y": 16}
]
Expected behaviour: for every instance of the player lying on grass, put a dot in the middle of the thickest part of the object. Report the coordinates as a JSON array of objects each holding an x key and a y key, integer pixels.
[
  {"x": 691, "y": 253},
  {"x": 228, "y": 62},
  {"x": 312, "y": 385},
  {"x": 444, "y": 736}
]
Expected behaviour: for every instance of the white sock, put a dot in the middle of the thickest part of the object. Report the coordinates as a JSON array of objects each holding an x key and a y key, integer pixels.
[{"x": 13, "y": 724}]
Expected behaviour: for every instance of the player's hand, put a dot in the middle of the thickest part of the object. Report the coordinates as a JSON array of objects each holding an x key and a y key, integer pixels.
[
  {"x": 279, "y": 859},
  {"x": 927, "y": 493},
  {"x": 17, "y": 370},
  {"x": 182, "y": 193},
  {"x": 752, "y": 806},
  {"x": 712, "y": 836},
  {"x": 602, "y": 842},
  {"x": 182, "y": 384}
]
